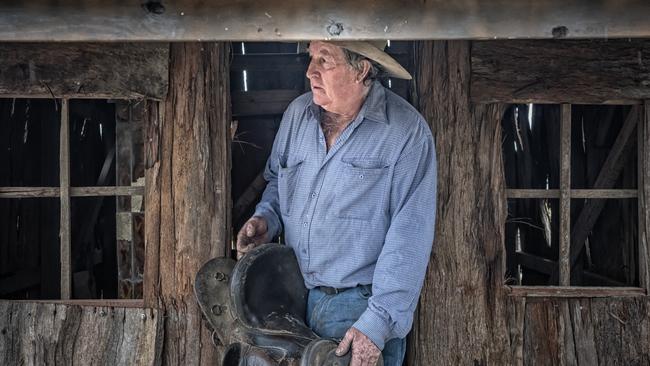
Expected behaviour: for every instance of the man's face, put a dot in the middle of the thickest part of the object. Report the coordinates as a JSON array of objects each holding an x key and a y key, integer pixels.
[{"x": 334, "y": 83}]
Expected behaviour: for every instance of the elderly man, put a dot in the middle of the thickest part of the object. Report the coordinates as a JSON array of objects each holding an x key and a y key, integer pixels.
[{"x": 352, "y": 180}]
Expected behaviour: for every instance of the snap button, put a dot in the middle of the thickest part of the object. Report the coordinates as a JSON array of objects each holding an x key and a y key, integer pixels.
[{"x": 360, "y": 176}]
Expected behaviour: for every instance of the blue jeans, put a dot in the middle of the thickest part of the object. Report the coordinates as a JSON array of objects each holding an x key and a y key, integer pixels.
[{"x": 330, "y": 316}]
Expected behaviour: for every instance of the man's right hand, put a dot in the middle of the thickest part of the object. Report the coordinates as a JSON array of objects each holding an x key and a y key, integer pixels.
[{"x": 253, "y": 233}]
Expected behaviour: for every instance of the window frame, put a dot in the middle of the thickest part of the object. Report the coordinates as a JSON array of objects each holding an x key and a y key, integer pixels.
[
  {"x": 565, "y": 193},
  {"x": 65, "y": 192}
]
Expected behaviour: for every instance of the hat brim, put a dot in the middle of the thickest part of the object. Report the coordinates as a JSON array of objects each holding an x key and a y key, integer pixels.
[{"x": 366, "y": 49}]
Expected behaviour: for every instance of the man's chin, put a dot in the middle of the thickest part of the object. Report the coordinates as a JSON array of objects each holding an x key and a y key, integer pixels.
[{"x": 320, "y": 102}]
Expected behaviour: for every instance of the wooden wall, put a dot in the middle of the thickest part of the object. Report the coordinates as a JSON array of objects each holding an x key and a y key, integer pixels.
[
  {"x": 57, "y": 334},
  {"x": 466, "y": 315},
  {"x": 598, "y": 331}
]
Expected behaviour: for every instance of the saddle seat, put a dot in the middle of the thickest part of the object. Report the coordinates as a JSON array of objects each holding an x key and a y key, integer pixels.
[{"x": 256, "y": 307}]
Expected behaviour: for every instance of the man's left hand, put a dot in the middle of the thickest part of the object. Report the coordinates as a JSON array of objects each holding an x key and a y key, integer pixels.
[{"x": 364, "y": 351}]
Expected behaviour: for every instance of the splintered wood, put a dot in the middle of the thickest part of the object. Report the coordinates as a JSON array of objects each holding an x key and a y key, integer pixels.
[{"x": 57, "y": 334}]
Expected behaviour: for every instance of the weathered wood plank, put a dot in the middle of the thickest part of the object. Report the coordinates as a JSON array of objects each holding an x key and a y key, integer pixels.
[
  {"x": 59, "y": 334},
  {"x": 191, "y": 20},
  {"x": 573, "y": 291},
  {"x": 152, "y": 196},
  {"x": 585, "y": 71},
  {"x": 604, "y": 193},
  {"x": 581, "y": 332},
  {"x": 541, "y": 334},
  {"x": 643, "y": 132},
  {"x": 120, "y": 303},
  {"x": 101, "y": 70},
  {"x": 575, "y": 193},
  {"x": 27, "y": 192},
  {"x": 106, "y": 191},
  {"x": 565, "y": 197},
  {"x": 64, "y": 200},
  {"x": 187, "y": 192}
]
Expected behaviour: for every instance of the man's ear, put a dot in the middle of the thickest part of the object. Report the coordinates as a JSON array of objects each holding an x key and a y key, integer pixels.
[{"x": 364, "y": 71}]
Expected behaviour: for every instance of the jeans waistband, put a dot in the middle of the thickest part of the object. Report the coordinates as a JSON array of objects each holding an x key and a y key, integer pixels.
[{"x": 333, "y": 290}]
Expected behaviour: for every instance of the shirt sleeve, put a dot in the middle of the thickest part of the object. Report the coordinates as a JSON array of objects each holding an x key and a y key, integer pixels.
[
  {"x": 407, "y": 246},
  {"x": 269, "y": 205}
]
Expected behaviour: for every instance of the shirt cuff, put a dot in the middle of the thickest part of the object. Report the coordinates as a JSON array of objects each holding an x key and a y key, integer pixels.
[
  {"x": 272, "y": 222},
  {"x": 374, "y": 327}
]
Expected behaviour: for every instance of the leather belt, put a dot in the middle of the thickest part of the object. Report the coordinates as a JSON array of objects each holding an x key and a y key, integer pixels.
[{"x": 334, "y": 291}]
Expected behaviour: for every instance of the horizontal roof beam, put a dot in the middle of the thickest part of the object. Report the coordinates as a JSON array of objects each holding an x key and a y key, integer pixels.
[{"x": 286, "y": 20}]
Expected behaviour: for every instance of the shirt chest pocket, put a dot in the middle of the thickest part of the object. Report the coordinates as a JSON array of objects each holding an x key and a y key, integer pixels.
[
  {"x": 361, "y": 189},
  {"x": 288, "y": 178}
]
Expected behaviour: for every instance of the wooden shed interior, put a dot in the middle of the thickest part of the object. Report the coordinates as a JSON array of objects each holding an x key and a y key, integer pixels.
[{"x": 125, "y": 165}]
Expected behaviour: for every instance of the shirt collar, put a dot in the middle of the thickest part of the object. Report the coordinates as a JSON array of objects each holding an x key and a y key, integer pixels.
[{"x": 373, "y": 108}]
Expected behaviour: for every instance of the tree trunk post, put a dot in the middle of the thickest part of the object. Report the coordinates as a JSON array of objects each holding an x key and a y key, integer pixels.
[
  {"x": 462, "y": 317},
  {"x": 187, "y": 194}
]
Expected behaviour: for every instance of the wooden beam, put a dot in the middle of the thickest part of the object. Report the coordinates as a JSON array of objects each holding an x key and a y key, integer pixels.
[
  {"x": 280, "y": 20},
  {"x": 32, "y": 192},
  {"x": 97, "y": 70},
  {"x": 106, "y": 191},
  {"x": 29, "y": 192},
  {"x": 576, "y": 71},
  {"x": 575, "y": 193},
  {"x": 119, "y": 303},
  {"x": 262, "y": 102},
  {"x": 565, "y": 196},
  {"x": 604, "y": 193},
  {"x": 573, "y": 291},
  {"x": 643, "y": 133},
  {"x": 64, "y": 197}
]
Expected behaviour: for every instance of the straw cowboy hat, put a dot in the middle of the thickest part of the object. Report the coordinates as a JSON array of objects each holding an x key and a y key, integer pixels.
[{"x": 374, "y": 50}]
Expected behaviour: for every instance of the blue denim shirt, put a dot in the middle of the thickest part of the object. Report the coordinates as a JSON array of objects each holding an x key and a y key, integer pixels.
[{"x": 362, "y": 212}]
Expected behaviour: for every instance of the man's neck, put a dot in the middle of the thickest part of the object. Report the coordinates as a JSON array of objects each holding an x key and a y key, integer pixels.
[{"x": 333, "y": 123}]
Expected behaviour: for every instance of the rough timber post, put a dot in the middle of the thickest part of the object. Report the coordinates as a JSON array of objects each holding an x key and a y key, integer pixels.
[
  {"x": 187, "y": 194},
  {"x": 461, "y": 316}
]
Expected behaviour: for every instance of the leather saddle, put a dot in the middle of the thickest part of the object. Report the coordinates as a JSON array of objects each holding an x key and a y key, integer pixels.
[{"x": 256, "y": 307}]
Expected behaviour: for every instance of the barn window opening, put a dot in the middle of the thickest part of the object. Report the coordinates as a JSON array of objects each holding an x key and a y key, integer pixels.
[
  {"x": 264, "y": 78},
  {"x": 71, "y": 207},
  {"x": 572, "y": 195}
]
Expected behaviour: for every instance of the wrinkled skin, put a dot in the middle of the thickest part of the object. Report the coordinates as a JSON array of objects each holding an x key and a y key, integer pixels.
[
  {"x": 336, "y": 86},
  {"x": 364, "y": 351},
  {"x": 252, "y": 234}
]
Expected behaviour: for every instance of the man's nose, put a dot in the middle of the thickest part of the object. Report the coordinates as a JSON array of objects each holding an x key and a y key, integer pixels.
[{"x": 311, "y": 70}]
